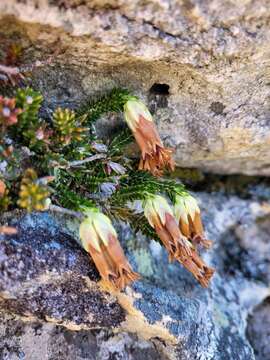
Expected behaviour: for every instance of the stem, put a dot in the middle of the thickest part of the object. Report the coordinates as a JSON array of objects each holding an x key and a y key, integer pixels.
[
  {"x": 86, "y": 160},
  {"x": 65, "y": 211}
]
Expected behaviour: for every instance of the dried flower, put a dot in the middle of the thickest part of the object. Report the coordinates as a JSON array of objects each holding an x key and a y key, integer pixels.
[
  {"x": 188, "y": 216},
  {"x": 160, "y": 217},
  {"x": 99, "y": 238},
  {"x": 154, "y": 156},
  {"x": 33, "y": 196},
  {"x": 8, "y": 112}
]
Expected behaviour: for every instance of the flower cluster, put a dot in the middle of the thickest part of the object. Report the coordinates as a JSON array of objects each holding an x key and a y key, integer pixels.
[
  {"x": 99, "y": 238},
  {"x": 179, "y": 244},
  {"x": 154, "y": 156}
]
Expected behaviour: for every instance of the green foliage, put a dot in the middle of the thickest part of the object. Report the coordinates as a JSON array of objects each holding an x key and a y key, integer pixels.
[
  {"x": 67, "y": 127},
  {"x": 119, "y": 142},
  {"x": 29, "y": 124},
  {"x": 113, "y": 102},
  {"x": 139, "y": 184},
  {"x": 30, "y": 102}
]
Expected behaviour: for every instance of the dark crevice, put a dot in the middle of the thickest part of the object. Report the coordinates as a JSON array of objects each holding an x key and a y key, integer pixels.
[{"x": 160, "y": 89}]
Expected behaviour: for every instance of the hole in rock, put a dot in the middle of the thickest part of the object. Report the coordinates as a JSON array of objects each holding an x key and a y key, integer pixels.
[
  {"x": 159, "y": 89},
  {"x": 158, "y": 96}
]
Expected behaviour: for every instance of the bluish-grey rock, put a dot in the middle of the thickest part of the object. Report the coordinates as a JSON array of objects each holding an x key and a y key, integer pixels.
[{"x": 47, "y": 277}]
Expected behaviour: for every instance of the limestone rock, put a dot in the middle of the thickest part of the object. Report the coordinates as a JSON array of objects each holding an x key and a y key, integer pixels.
[{"x": 202, "y": 66}]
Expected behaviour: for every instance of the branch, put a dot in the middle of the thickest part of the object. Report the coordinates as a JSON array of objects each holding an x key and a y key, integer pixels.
[
  {"x": 62, "y": 210},
  {"x": 86, "y": 160}
]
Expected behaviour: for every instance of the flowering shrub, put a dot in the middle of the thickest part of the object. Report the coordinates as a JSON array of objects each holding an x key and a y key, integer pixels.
[{"x": 73, "y": 171}]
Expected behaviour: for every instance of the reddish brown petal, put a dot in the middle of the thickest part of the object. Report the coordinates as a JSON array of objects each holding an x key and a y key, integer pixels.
[
  {"x": 142, "y": 143},
  {"x": 184, "y": 228},
  {"x": 125, "y": 274},
  {"x": 180, "y": 243},
  {"x": 166, "y": 239},
  {"x": 198, "y": 268},
  {"x": 149, "y": 131},
  {"x": 199, "y": 240},
  {"x": 197, "y": 232},
  {"x": 197, "y": 224},
  {"x": 104, "y": 266},
  {"x": 172, "y": 227}
]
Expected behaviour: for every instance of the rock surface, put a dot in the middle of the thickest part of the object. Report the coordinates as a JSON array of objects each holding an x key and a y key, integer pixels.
[
  {"x": 202, "y": 66},
  {"x": 48, "y": 291}
]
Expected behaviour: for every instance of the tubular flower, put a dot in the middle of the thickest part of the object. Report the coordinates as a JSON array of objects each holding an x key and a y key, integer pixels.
[
  {"x": 187, "y": 214},
  {"x": 154, "y": 156},
  {"x": 160, "y": 217},
  {"x": 99, "y": 238}
]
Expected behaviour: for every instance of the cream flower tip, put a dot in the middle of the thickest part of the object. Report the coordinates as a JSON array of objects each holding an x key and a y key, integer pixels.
[
  {"x": 155, "y": 209},
  {"x": 104, "y": 229},
  {"x": 88, "y": 235},
  {"x": 186, "y": 205},
  {"x": 133, "y": 110},
  {"x": 161, "y": 203}
]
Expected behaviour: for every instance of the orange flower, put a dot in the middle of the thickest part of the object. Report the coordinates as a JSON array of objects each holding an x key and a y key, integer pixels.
[
  {"x": 99, "y": 238},
  {"x": 160, "y": 217},
  {"x": 154, "y": 156},
  {"x": 188, "y": 216}
]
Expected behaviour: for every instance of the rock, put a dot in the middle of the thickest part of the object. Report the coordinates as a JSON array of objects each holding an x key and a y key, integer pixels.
[
  {"x": 45, "y": 274},
  {"x": 47, "y": 279},
  {"x": 258, "y": 330},
  {"x": 34, "y": 340},
  {"x": 204, "y": 73}
]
